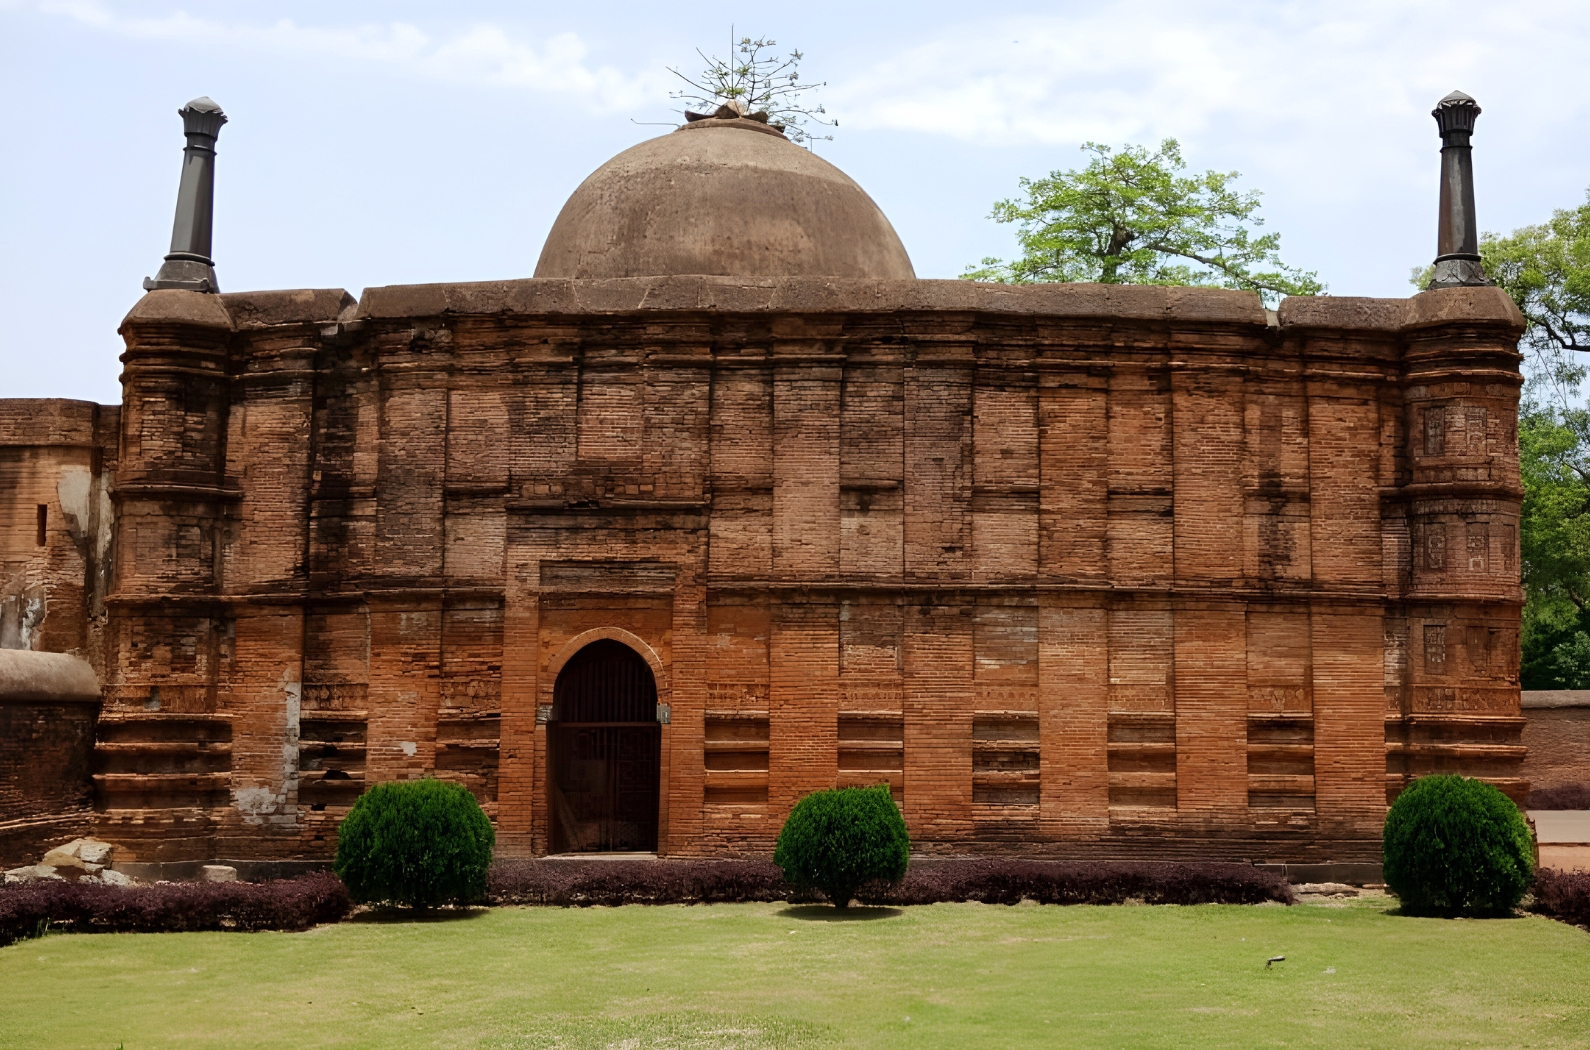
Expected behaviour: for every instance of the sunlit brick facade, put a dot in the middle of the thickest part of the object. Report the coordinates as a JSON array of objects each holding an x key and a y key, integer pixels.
[{"x": 1080, "y": 571}]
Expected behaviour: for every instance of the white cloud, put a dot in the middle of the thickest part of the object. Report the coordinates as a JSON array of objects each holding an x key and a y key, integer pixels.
[
  {"x": 1279, "y": 84},
  {"x": 484, "y": 54},
  {"x": 1140, "y": 70}
]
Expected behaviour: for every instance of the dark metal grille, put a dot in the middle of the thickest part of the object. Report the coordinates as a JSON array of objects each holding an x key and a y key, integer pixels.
[
  {"x": 607, "y": 681},
  {"x": 606, "y": 752},
  {"x": 605, "y": 787}
]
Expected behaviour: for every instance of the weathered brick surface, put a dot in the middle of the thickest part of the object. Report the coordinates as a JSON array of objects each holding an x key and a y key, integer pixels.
[
  {"x": 46, "y": 751},
  {"x": 56, "y": 555},
  {"x": 1558, "y": 739},
  {"x": 1078, "y": 571},
  {"x": 56, "y": 524}
]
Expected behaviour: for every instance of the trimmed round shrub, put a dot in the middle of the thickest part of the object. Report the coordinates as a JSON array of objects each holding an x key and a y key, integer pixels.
[
  {"x": 837, "y": 840},
  {"x": 1456, "y": 846},
  {"x": 416, "y": 842}
]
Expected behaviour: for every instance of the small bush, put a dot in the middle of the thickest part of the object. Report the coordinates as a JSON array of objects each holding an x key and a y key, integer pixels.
[
  {"x": 1456, "y": 846},
  {"x": 26, "y": 909},
  {"x": 1560, "y": 796},
  {"x": 1563, "y": 895},
  {"x": 839, "y": 840},
  {"x": 416, "y": 842}
]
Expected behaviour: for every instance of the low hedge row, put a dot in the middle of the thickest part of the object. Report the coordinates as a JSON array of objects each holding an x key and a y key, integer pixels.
[
  {"x": 295, "y": 904},
  {"x": 993, "y": 881},
  {"x": 612, "y": 882},
  {"x": 26, "y": 909},
  {"x": 1061, "y": 882},
  {"x": 1563, "y": 895}
]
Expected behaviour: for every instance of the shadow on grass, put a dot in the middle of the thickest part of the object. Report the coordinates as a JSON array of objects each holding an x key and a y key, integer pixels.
[
  {"x": 826, "y": 913},
  {"x": 1397, "y": 910},
  {"x": 383, "y": 914}
]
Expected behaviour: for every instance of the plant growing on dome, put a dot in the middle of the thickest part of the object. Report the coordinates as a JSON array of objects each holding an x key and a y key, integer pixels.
[{"x": 757, "y": 82}]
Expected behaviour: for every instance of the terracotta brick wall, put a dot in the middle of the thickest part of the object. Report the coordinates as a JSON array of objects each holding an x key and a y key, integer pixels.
[
  {"x": 45, "y": 751},
  {"x": 1558, "y": 739},
  {"x": 1078, "y": 571},
  {"x": 56, "y": 460}
]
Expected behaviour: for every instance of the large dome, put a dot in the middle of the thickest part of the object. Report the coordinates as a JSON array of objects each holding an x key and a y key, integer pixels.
[{"x": 727, "y": 197}]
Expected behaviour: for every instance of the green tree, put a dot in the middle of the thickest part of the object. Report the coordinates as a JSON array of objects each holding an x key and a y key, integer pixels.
[
  {"x": 415, "y": 842},
  {"x": 1554, "y": 539},
  {"x": 1455, "y": 846},
  {"x": 1130, "y": 217},
  {"x": 840, "y": 839},
  {"x": 1546, "y": 271}
]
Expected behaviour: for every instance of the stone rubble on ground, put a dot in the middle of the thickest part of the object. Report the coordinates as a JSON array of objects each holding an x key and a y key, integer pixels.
[
  {"x": 1328, "y": 889},
  {"x": 81, "y": 860},
  {"x": 89, "y": 854},
  {"x": 31, "y": 873}
]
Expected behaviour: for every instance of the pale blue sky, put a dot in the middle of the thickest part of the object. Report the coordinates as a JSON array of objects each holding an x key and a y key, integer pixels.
[{"x": 382, "y": 143}]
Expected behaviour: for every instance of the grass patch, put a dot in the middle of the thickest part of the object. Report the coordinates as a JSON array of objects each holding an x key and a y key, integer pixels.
[{"x": 751, "y": 976}]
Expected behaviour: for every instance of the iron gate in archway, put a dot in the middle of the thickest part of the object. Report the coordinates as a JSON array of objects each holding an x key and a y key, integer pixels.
[{"x": 604, "y": 752}]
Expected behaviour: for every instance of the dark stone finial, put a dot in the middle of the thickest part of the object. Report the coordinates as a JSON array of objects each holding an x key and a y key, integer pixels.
[
  {"x": 1457, "y": 260},
  {"x": 188, "y": 265}
]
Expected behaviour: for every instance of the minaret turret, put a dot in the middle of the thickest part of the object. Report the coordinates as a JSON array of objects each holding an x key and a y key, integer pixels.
[
  {"x": 1457, "y": 260},
  {"x": 188, "y": 265}
]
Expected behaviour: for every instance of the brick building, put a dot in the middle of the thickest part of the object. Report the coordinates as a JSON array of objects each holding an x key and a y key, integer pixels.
[
  {"x": 724, "y": 506},
  {"x": 1557, "y": 735}
]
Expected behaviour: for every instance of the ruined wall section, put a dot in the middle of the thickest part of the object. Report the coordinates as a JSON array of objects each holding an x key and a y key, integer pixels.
[
  {"x": 263, "y": 555},
  {"x": 1349, "y": 375},
  {"x": 56, "y": 524},
  {"x": 1266, "y": 458},
  {"x": 56, "y": 553}
]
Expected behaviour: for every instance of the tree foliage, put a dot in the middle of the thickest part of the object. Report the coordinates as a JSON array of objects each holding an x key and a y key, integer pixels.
[
  {"x": 1455, "y": 846},
  {"x": 415, "y": 842},
  {"x": 1546, "y": 269},
  {"x": 1130, "y": 217},
  {"x": 1554, "y": 541},
  {"x": 839, "y": 839},
  {"x": 756, "y": 81}
]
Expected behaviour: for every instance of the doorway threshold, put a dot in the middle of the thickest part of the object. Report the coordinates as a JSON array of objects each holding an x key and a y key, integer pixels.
[{"x": 600, "y": 856}]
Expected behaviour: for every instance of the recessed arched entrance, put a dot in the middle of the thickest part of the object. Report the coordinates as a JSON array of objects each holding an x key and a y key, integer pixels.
[{"x": 604, "y": 751}]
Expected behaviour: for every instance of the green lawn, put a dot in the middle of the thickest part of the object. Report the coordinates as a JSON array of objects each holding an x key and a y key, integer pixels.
[{"x": 763, "y": 975}]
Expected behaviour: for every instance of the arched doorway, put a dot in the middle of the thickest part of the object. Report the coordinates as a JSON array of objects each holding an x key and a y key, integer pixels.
[{"x": 604, "y": 752}]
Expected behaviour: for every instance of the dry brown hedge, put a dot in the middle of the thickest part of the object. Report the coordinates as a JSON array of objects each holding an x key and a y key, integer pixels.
[
  {"x": 1563, "y": 895},
  {"x": 27, "y": 909},
  {"x": 581, "y": 883}
]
